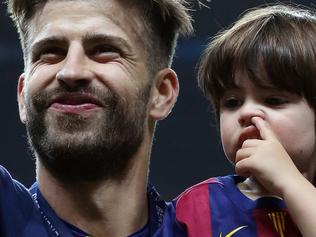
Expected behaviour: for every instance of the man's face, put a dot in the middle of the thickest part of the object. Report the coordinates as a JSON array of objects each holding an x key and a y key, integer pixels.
[{"x": 86, "y": 88}]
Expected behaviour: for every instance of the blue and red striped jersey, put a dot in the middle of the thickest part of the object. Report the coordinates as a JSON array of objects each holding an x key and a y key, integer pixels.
[{"x": 217, "y": 208}]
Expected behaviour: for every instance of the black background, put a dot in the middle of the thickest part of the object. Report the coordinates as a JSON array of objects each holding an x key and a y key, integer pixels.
[{"x": 186, "y": 146}]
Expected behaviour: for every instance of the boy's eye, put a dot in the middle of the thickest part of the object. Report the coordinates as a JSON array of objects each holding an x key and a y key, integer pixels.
[
  {"x": 275, "y": 101},
  {"x": 231, "y": 103}
]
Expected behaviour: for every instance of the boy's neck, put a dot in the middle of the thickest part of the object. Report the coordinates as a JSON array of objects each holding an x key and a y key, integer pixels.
[{"x": 253, "y": 190}]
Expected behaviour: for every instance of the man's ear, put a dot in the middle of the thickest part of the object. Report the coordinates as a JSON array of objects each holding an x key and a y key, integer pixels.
[
  {"x": 20, "y": 97},
  {"x": 164, "y": 95}
]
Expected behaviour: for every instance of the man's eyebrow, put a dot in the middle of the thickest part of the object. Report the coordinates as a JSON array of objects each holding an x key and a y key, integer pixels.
[
  {"x": 104, "y": 38},
  {"x": 55, "y": 40}
]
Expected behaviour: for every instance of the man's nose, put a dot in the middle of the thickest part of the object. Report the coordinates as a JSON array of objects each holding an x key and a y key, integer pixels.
[
  {"x": 75, "y": 71},
  {"x": 249, "y": 110}
]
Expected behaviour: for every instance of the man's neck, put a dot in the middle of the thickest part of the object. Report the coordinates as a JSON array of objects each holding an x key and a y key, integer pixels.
[{"x": 105, "y": 208}]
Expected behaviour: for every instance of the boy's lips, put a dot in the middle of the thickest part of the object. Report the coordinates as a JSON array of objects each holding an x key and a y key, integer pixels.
[{"x": 250, "y": 132}]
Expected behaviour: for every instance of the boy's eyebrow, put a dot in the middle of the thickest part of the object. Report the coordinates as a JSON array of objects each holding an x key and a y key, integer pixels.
[
  {"x": 232, "y": 87},
  {"x": 269, "y": 86}
]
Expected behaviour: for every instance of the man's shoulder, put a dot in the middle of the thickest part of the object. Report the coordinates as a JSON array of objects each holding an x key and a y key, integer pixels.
[
  {"x": 18, "y": 213},
  {"x": 7, "y": 182},
  {"x": 4, "y": 173}
]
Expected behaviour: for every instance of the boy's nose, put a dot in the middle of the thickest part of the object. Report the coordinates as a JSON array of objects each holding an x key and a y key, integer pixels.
[
  {"x": 75, "y": 71},
  {"x": 248, "y": 111}
]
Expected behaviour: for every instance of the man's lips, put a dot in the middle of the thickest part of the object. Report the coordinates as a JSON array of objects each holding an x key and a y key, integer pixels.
[
  {"x": 250, "y": 132},
  {"x": 74, "y": 103}
]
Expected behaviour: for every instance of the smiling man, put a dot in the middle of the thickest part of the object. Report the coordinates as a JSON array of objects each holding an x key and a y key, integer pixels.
[{"x": 97, "y": 79}]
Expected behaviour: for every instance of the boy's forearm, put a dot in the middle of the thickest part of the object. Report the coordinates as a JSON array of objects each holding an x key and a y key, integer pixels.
[{"x": 300, "y": 198}]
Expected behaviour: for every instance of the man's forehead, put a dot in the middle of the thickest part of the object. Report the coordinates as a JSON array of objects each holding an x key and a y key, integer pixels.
[{"x": 96, "y": 17}]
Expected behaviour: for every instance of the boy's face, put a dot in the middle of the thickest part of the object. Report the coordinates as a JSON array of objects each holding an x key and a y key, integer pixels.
[{"x": 288, "y": 115}]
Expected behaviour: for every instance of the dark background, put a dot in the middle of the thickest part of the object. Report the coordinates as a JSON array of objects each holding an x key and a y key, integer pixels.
[{"x": 186, "y": 147}]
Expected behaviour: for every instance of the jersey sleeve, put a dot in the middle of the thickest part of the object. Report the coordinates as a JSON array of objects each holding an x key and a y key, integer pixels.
[{"x": 193, "y": 209}]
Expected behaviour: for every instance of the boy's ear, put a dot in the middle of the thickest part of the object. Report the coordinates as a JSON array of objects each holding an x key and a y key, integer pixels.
[
  {"x": 20, "y": 97},
  {"x": 164, "y": 95}
]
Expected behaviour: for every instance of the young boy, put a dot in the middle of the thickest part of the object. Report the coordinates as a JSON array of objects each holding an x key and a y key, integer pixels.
[{"x": 260, "y": 76}]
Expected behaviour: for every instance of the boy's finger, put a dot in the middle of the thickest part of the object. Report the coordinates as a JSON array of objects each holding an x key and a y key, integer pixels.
[
  {"x": 265, "y": 132},
  {"x": 251, "y": 143},
  {"x": 242, "y": 168}
]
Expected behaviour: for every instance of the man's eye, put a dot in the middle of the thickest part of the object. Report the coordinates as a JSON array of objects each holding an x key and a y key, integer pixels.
[
  {"x": 275, "y": 101},
  {"x": 104, "y": 50},
  {"x": 104, "y": 53},
  {"x": 50, "y": 55},
  {"x": 231, "y": 103}
]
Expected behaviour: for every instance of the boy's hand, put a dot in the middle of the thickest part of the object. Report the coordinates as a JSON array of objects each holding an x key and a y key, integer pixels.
[{"x": 266, "y": 160}]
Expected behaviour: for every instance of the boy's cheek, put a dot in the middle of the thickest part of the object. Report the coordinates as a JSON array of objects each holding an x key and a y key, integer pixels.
[
  {"x": 229, "y": 148},
  {"x": 229, "y": 136}
]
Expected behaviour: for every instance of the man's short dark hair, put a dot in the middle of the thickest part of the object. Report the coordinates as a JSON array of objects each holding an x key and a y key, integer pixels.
[{"x": 163, "y": 21}]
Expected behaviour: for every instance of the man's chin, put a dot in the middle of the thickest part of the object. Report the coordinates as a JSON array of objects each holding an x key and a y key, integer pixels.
[
  {"x": 72, "y": 124},
  {"x": 72, "y": 139},
  {"x": 86, "y": 156},
  {"x": 73, "y": 165}
]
